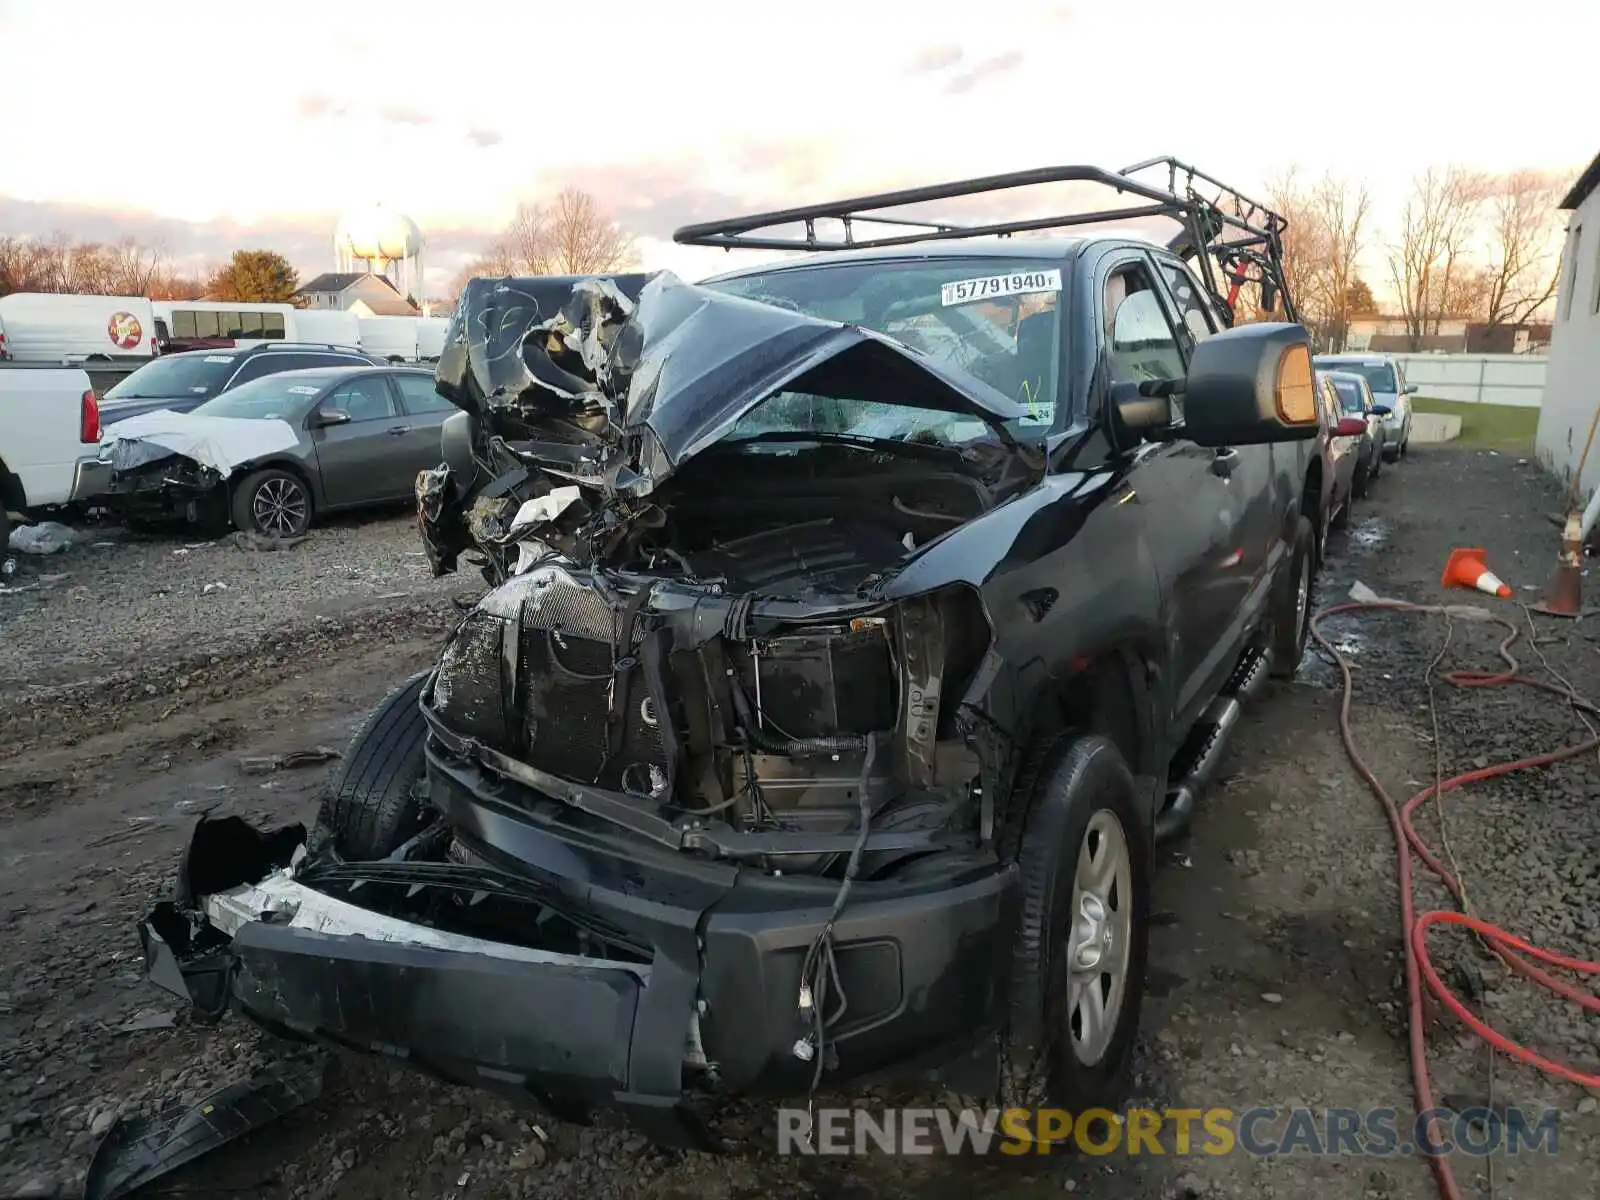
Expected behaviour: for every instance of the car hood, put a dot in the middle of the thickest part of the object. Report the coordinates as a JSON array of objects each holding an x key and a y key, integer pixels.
[
  {"x": 221, "y": 443},
  {"x": 614, "y": 381}
]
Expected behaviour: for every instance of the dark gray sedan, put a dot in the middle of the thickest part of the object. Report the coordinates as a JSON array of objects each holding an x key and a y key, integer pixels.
[{"x": 271, "y": 455}]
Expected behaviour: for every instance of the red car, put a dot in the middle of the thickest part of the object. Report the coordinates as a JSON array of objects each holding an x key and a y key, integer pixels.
[{"x": 1340, "y": 445}]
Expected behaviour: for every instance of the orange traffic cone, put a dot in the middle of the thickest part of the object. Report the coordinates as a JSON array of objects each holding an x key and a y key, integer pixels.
[
  {"x": 1466, "y": 569},
  {"x": 1563, "y": 591}
]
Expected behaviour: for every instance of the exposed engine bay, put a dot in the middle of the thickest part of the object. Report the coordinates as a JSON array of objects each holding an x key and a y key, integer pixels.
[{"x": 691, "y": 629}]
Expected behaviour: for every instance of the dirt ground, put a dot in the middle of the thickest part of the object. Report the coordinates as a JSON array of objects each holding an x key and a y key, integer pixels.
[{"x": 1275, "y": 976}]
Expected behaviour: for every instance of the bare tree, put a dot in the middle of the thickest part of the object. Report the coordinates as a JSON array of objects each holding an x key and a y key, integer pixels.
[
  {"x": 1431, "y": 265},
  {"x": 1321, "y": 247},
  {"x": 1524, "y": 261},
  {"x": 584, "y": 240},
  {"x": 134, "y": 268},
  {"x": 60, "y": 264},
  {"x": 169, "y": 285},
  {"x": 1340, "y": 210},
  {"x": 572, "y": 235},
  {"x": 1304, "y": 252}
]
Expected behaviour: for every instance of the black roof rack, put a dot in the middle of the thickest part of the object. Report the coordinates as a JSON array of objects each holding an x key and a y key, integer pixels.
[{"x": 1240, "y": 234}]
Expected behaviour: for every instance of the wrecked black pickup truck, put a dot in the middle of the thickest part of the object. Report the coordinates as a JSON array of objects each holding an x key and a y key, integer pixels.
[{"x": 857, "y": 624}]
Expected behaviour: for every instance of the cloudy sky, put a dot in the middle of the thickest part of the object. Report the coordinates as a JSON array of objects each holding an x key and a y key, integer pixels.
[{"x": 208, "y": 126}]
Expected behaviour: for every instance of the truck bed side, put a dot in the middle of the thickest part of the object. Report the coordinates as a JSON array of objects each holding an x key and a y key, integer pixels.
[{"x": 40, "y": 427}]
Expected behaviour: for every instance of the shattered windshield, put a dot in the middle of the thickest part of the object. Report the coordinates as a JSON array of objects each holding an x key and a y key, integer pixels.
[
  {"x": 286, "y": 396},
  {"x": 996, "y": 319},
  {"x": 171, "y": 378}
]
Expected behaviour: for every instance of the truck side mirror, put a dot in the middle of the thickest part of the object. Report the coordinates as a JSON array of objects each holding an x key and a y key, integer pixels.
[{"x": 1250, "y": 386}]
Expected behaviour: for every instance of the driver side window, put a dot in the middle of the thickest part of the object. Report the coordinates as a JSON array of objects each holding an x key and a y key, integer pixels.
[
  {"x": 366, "y": 399},
  {"x": 1141, "y": 340},
  {"x": 1197, "y": 320}
]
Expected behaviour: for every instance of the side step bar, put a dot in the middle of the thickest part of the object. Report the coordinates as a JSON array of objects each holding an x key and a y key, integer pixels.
[{"x": 1202, "y": 750}]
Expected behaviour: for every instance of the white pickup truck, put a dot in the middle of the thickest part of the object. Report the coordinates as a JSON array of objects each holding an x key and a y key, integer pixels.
[{"x": 49, "y": 431}]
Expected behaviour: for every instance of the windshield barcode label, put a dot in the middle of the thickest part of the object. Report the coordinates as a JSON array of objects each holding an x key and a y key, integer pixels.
[{"x": 1021, "y": 283}]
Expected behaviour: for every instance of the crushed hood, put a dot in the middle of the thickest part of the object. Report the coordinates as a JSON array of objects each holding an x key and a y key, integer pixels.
[
  {"x": 221, "y": 443},
  {"x": 614, "y": 381}
]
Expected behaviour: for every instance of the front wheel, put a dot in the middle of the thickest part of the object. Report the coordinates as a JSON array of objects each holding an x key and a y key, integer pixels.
[
  {"x": 1078, "y": 963},
  {"x": 1291, "y": 607},
  {"x": 272, "y": 502},
  {"x": 376, "y": 800}
]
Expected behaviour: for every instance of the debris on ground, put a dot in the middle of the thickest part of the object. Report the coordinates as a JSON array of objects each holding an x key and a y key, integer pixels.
[
  {"x": 149, "y": 1020},
  {"x": 136, "y": 1152},
  {"x": 266, "y": 764},
  {"x": 249, "y": 540},
  {"x": 46, "y": 537},
  {"x": 213, "y": 587}
]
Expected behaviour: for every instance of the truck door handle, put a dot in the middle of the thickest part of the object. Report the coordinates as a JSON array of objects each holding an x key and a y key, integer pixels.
[
  {"x": 397, "y": 430},
  {"x": 1225, "y": 461}
]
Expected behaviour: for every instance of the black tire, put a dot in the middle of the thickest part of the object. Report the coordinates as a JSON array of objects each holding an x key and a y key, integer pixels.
[
  {"x": 376, "y": 799},
  {"x": 1378, "y": 457},
  {"x": 1081, "y": 778},
  {"x": 272, "y": 502},
  {"x": 1361, "y": 485},
  {"x": 1291, "y": 606}
]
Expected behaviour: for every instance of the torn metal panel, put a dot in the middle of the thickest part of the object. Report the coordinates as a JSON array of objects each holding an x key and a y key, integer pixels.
[
  {"x": 615, "y": 381},
  {"x": 220, "y": 443},
  {"x": 441, "y": 519},
  {"x": 283, "y": 902}
]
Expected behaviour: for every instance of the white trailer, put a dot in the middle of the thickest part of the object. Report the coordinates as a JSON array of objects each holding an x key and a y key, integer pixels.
[
  {"x": 63, "y": 330},
  {"x": 430, "y": 337},
  {"x": 321, "y": 325},
  {"x": 393, "y": 338},
  {"x": 403, "y": 339}
]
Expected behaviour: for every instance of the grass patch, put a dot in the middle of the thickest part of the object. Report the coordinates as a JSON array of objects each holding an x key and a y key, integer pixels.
[{"x": 1486, "y": 426}]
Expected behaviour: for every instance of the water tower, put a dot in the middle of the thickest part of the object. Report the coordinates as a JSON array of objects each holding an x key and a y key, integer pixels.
[{"x": 380, "y": 241}]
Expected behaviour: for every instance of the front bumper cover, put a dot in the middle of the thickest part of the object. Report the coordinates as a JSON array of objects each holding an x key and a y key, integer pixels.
[{"x": 714, "y": 1009}]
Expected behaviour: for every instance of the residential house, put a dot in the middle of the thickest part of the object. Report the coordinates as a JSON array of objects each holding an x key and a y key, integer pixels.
[
  {"x": 1388, "y": 335},
  {"x": 363, "y": 293},
  {"x": 1567, "y": 416}
]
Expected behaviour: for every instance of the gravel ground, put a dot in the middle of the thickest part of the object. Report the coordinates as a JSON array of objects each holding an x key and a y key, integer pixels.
[
  {"x": 1275, "y": 973},
  {"x": 117, "y": 596}
]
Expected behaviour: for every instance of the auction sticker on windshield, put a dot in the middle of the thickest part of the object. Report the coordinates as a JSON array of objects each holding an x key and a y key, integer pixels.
[{"x": 1018, "y": 283}]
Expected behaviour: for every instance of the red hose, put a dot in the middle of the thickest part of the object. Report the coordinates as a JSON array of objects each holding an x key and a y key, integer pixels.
[{"x": 1515, "y": 952}]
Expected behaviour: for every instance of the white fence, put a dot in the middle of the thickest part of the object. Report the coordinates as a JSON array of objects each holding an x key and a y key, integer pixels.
[{"x": 1515, "y": 379}]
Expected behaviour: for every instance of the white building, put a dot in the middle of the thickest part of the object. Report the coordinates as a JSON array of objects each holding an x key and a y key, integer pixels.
[{"x": 1572, "y": 381}]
